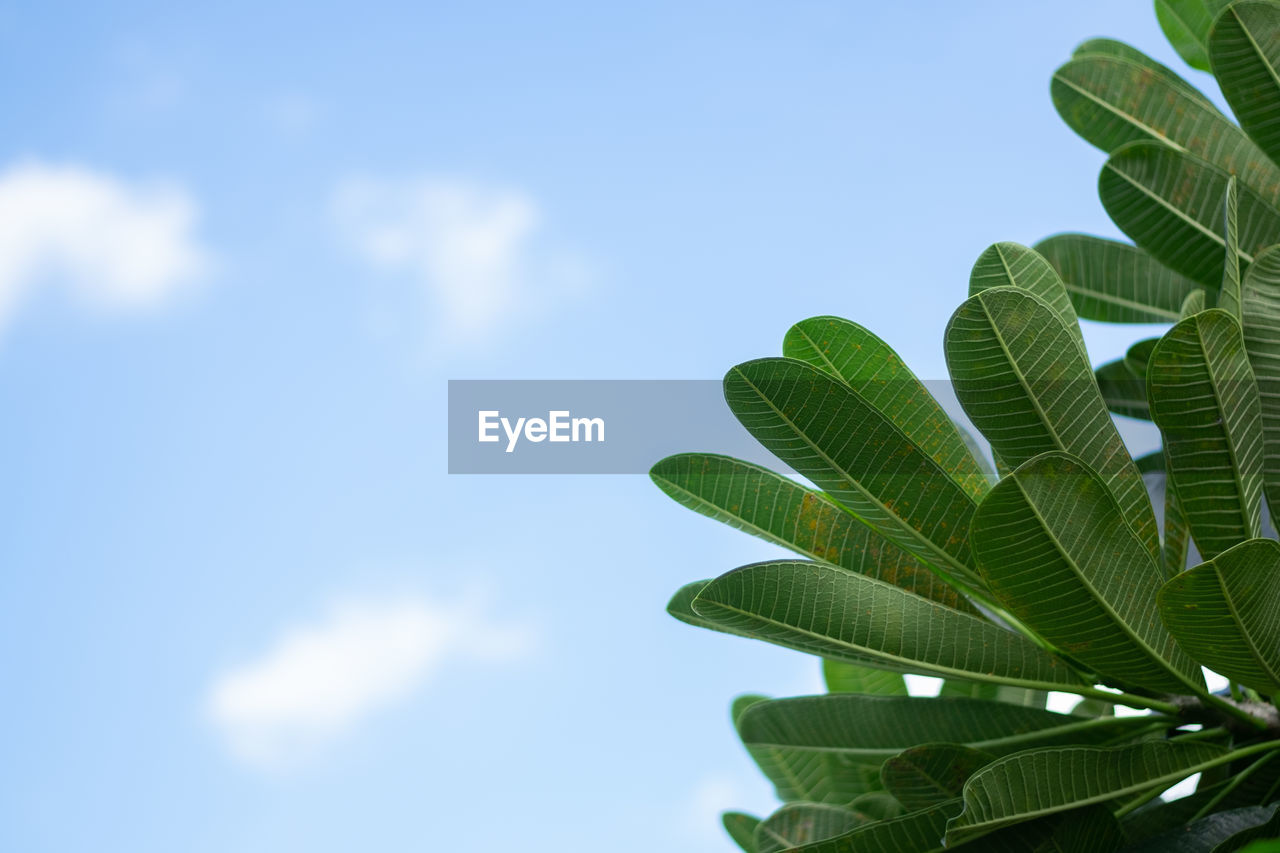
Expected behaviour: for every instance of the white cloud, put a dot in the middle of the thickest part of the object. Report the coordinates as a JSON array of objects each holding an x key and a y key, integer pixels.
[
  {"x": 317, "y": 681},
  {"x": 479, "y": 252},
  {"x": 115, "y": 244}
]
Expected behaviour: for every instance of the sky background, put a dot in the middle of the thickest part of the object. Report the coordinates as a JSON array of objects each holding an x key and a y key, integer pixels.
[{"x": 242, "y": 250}]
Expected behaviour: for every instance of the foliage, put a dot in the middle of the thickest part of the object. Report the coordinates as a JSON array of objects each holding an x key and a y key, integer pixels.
[{"x": 1059, "y": 574}]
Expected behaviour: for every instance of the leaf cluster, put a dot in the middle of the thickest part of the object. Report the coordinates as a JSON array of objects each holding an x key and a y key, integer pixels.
[{"x": 1044, "y": 566}]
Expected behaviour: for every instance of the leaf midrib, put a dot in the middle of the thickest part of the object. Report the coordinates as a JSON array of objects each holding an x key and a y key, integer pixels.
[
  {"x": 1195, "y": 223},
  {"x": 1245, "y": 634},
  {"x": 875, "y": 654},
  {"x": 862, "y": 490},
  {"x": 1096, "y": 595},
  {"x": 1146, "y": 785},
  {"x": 1156, "y": 135},
  {"x": 1236, "y": 473}
]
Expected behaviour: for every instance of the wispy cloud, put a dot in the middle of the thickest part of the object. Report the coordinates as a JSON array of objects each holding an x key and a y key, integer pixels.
[
  {"x": 317, "y": 681},
  {"x": 479, "y": 253},
  {"x": 113, "y": 243}
]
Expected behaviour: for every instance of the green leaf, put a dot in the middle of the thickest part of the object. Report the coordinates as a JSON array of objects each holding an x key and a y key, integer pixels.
[
  {"x": 680, "y": 607},
  {"x": 802, "y": 823},
  {"x": 821, "y": 610},
  {"x": 809, "y": 742},
  {"x": 1186, "y": 23},
  {"x": 1223, "y": 612},
  {"x": 1256, "y": 784},
  {"x": 758, "y": 501},
  {"x": 1193, "y": 304},
  {"x": 1120, "y": 50},
  {"x": 742, "y": 829},
  {"x": 1055, "y": 550},
  {"x": 1115, "y": 282},
  {"x": 841, "y": 677},
  {"x": 1169, "y": 202},
  {"x": 1204, "y": 399},
  {"x": 800, "y": 775},
  {"x": 1223, "y": 832},
  {"x": 1149, "y": 462},
  {"x": 1261, "y": 309},
  {"x": 1244, "y": 50},
  {"x": 1112, "y": 101},
  {"x": 1265, "y": 825},
  {"x": 1229, "y": 295},
  {"x": 931, "y": 774},
  {"x": 742, "y": 703},
  {"x": 1123, "y": 392},
  {"x": 995, "y": 693},
  {"x": 1091, "y": 830},
  {"x": 1029, "y": 390},
  {"x": 1014, "y": 265},
  {"x": 1177, "y": 533},
  {"x": 1138, "y": 357},
  {"x": 1262, "y": 847},
  {"x": 918, "y": 832},
  {"x": 1034, "y": 783},
  {"x": 876, "y": 805},
  {"x": 871, "y": 367},
  {"x": 847, "y": 447}
]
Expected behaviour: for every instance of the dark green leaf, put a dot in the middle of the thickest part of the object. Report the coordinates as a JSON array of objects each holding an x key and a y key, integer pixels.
[
  {"x": 1055, "y": 551},
  {"x": 1169, "y": 202},
  {"x": 931, "y": 774},
  {"x": 1244, "y": 50},
  {"x": 841, "y": 677},
  {"x": 829, "y": 612},
  {"x": 1223, "y": 832},
  {"x": 1029, "y": 389},
  {"x": 803, "y": 823},
  {"x": 742, "y": 829},
  {"x": 1204, "y": 398},
  {"x": 918, "y": 832},
  {"x": 1115, "y": 282},
  {"x": 1120, "y": 50},
  {"x": 871, "y": 367},
  {"x": 846, "y": 729},
  {"x": 1014, "y": 265},
  {"x": 1138, "y": 357},
  {"x": 758, "y": 501},
  {"x": 846, "y": 446},
  {"x": 1122, "y": 391},
  {"x": 1186, "y": 23},
  {"x": 995, "y": 693},
  {"x": 1112, "y": 101},
  {"x": 1224, "y": 612},
  {"x": 1261, "y": 309},
  {"x": 1229, "y": 294},
  {"x": 1034, "y": 783}
]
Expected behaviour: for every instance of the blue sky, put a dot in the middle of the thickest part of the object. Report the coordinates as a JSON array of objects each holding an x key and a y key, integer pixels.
[{"x": 242, "y": 249}]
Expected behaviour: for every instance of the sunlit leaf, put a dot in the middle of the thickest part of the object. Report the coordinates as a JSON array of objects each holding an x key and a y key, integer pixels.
[
  {"x": 829, "y": 612},
  {"x": 765, "y": 504}
]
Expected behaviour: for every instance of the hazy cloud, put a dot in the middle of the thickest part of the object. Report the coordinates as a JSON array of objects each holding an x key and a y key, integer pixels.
[
  {"x": 316, "y": 681},
  {"x": 479, "y": 253},
  {"x": 113, "y": 243}
]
